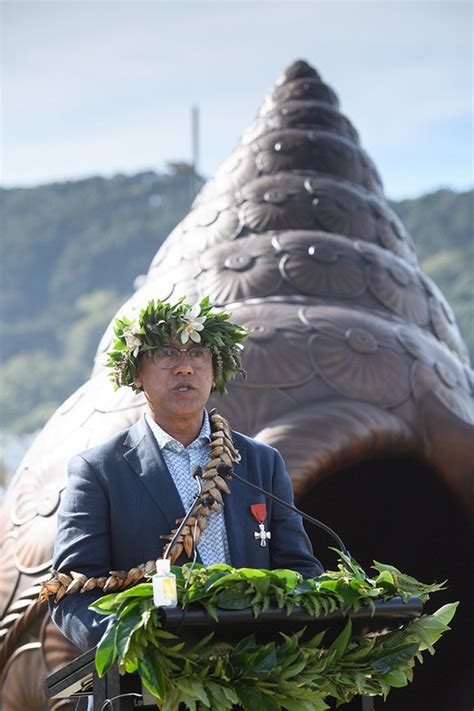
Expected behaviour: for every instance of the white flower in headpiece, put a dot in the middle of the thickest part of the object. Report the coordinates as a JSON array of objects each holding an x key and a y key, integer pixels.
[
  {"x": 131, "y": 335},
  {"x": 194, "y": 324}
]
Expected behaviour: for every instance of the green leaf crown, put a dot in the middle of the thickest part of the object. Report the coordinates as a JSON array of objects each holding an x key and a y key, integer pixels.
[{"x": 159, "y": 322}]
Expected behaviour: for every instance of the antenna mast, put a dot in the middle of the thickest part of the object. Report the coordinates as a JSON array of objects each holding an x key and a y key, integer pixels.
[
  {"x": 194, "y": 148},
  {"x": 195, "y": 137}
]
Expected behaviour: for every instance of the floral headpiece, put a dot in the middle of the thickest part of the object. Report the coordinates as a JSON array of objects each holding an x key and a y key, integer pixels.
[{"x": 159, "y": 322}]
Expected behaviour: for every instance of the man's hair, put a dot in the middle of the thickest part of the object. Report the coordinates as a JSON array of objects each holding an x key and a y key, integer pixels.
[{"x": 161, "y": 322}]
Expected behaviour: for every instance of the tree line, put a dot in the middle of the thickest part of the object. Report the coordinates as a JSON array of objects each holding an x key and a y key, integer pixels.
[{"x": 72, "y": 250}]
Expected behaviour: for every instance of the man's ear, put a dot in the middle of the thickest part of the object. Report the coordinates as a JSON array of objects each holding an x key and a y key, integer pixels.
[{"x": 137, "y": 381}]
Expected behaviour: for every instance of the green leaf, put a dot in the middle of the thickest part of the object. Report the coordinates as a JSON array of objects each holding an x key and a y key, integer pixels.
[
  {"x": 233, "y": 599},
  {"x": 305, "y": 586},
  {"x": 212, "y": 610},
  {"x": 312, "y": 605},
  {"x": 244, "y": 662},
  {"x": 314, "y": 704},
  {"x": 152, "y": 674},
  {"x": 291, "y": 641},
  {"x": 329, "y": 585},
  {"x": 203, "y": 642},
  {"x": 395, "y": 678},
  {"x": 186, "y": 699},
  {"x": 252, "y": 699},
  {"x": 362, "y": 651},
  {"x": 266, "y": 661},
  {"x": 124, "y": 631},
  {"x": 315, "y": 642},
  {"x": 217, "y": 692},
  {"x": 111, "y": 603},
  {"x": 385, "y": 579},
  {"x": 105, "y": 605},
  {"x": 128, "y": 608},
  {"x": 260, "y": 579},
  {"x": 245, "y": 644},
  {"x": 446, "y": 613},
  {"x": 293, "y": 670},
  {"x": 391, "y": 659},
  {"x": 217, "y": 575},
  {"x": 349, "y": 597},
  {"x": 429, "y": 628},
  {"x": 226, "y": 579},
  {"x": 339, "y": 646},
  {"x": 230, "y": 694},
  {"x": 164, "y": 634},
  {"x": 193, "y": 688},
  {"x": 351, "y": 564},
  {"x": 407, "y": 583},
  {"x": 141, "y": 590},
  {"x": 290, "y": 578},
  {"x": 285, "y": 660},
  {"x": 106, "y": 652}
]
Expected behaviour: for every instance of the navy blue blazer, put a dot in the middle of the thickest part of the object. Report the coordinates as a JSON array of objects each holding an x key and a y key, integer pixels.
[{"x": 120, "y": 498}]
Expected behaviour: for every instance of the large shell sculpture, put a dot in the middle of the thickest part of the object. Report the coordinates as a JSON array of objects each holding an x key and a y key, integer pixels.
[{"x": 356, "y": 371}]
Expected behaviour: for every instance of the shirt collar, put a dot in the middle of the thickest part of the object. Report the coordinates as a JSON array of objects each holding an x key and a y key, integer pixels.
[{"x": 163, "y": 438}]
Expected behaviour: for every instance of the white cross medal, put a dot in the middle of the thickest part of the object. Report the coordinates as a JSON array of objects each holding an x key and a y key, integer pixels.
[{"x": 259, "y": 512}]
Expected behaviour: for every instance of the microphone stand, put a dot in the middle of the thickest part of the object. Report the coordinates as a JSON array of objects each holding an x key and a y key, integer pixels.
[{"x": 197, "y": 499}]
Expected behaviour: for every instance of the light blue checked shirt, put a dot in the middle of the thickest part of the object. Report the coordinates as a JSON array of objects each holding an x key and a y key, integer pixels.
[{"x": 180, "y": 460}]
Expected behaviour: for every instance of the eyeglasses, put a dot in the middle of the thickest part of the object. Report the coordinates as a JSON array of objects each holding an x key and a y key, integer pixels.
[{"x": 168, "y": 356}]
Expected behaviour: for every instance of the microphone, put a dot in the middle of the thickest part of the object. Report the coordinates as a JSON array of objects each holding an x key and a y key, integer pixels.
[
  {"x": 226, "y": 471},
  {"x": 197, "y": 474}
]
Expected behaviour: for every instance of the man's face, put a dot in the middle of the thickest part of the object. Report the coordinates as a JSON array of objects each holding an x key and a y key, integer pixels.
[{"x": 180, "y": 391}]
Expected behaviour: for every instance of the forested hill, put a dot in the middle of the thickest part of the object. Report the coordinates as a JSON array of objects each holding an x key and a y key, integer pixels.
[{"x": 72, "y": 250}]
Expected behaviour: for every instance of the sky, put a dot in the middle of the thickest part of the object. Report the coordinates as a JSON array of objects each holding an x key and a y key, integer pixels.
[{"x": 99, "y": 88}]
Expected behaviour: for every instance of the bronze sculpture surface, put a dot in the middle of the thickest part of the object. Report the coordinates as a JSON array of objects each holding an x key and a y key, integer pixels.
[{"x": 355, "y": 362}]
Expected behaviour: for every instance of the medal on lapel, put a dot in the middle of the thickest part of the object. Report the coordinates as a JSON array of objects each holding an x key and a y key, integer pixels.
[{"x": 259, "y": 512}]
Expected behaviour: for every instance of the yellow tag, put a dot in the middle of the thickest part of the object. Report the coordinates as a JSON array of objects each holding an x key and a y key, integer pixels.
[{"x": 168, "y": 587}]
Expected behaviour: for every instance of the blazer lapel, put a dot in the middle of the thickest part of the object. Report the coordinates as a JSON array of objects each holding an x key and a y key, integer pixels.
[
  {"x": 236, "y": 514},
  {"x": 146, "y": 459}
]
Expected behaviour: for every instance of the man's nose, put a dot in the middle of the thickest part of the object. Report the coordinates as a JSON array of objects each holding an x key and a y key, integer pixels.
[{"x": 184, "y": 364}]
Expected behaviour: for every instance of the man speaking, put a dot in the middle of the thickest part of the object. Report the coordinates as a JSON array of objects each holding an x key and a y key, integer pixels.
[{"x": 125, "y": 498}]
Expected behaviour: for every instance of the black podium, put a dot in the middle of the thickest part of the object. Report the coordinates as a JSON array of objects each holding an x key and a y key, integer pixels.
[{"x": 78, "y": 679}]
